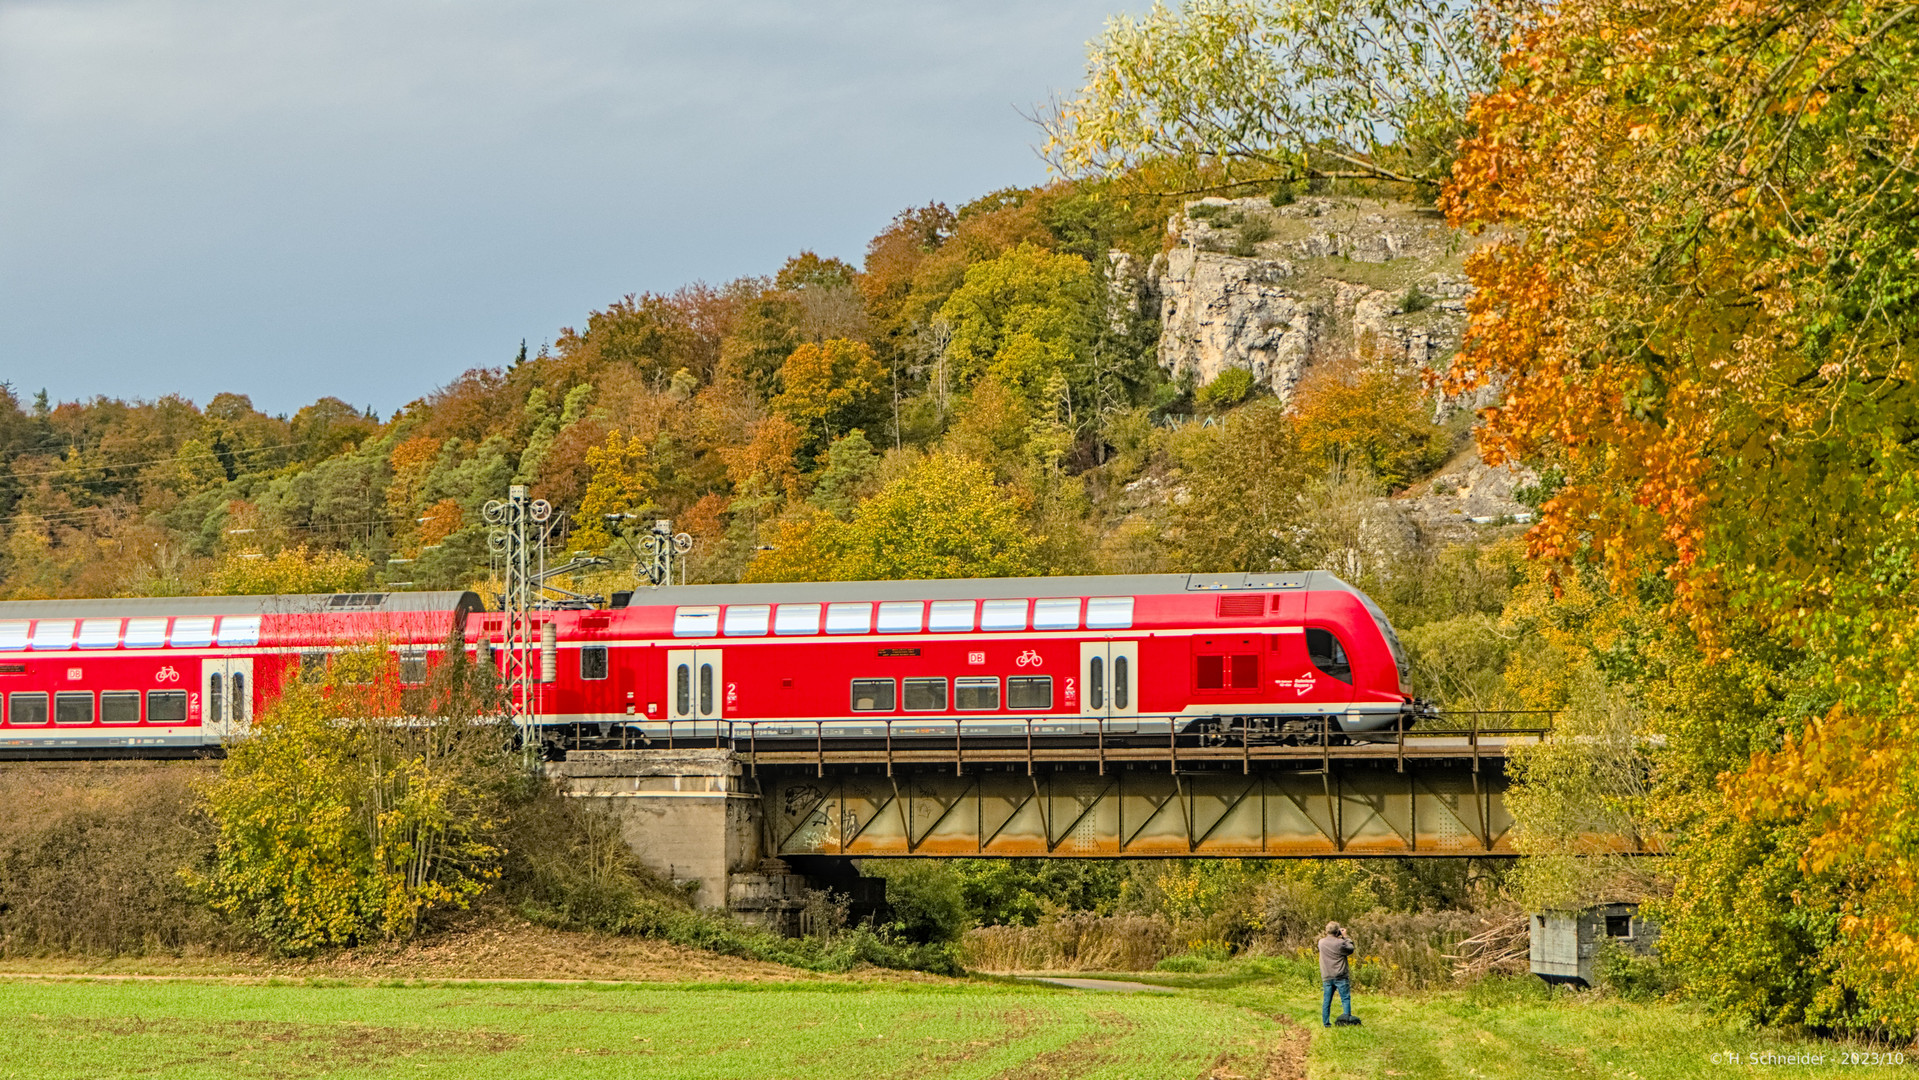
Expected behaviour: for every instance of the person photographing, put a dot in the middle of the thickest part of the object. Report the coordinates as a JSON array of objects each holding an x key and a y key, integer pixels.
[{"x": 1334, "y": 974}]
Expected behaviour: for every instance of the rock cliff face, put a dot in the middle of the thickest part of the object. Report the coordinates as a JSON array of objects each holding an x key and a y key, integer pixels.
[{"x": 1274, "y": 289}]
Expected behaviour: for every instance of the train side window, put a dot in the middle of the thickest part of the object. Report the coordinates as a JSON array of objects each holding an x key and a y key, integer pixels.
[
  {"x": 1096, "y": 683},
  {"x": 1109, "y": 613},
  {"x": 53, "y": 634},
  {"x": 1245, "y": 671},
  {"x": 1062, "y": 614},
  {"x": 683, "y": 689},
  {"x": 706, "y": 689},
  {"x": 412, "y": 671},
  {"x": 1029, "y": 692},
  {"x": 925, "y": 695},
  {"x": 145, "y": 633},
  {"x": 99, "y": 633},
  {"x": 13, "y": 634},
  {"x": 695, "y": 621},
  {"x": 192, "y": 633},
  {"x": 593, "y": 662},
  {"x": 166, "y": 706},
  {"x": 240, "y": 699},
  {"x": 120, "y": 706},
  {"x": 1003, "y": 615},
  {"x": 71, "y": 707},
  {"x": 747, "y": 620},
  {"x": 902, "y": 616},
  {"x": 872, "y": 695},
  {"x": 1328, "y": 655},
  {"x": 1211, "y": 674},
  {"x": 849, "y": 618},
  {"x": 975, "y": 695},
  {"x": 950, "y": 616},
  {"x": 27, "y": 710},
  {"x": 1122, "y": 690},
  {"x": 216, "y": 698},
  {"x": 796, "y": 619},
  {"x": 240, "y": 630}
]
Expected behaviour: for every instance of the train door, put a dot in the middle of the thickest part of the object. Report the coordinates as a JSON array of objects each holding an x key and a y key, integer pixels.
[
  {"x": 1109, "y": 684},
  {"x": 695, "y": 690},
  {"x": 226, "y": 686}
]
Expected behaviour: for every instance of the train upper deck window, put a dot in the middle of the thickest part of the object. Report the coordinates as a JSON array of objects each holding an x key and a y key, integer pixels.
[
  {"x": 849, "y": 618},
  {"x": 240, "y": 630},
  {"x": 99, "y": 633},
  {"x": 872, "y": 695},
  {"x": 1109, "y": 613},
  {"x": 13, "y": 634},
  {"x": 747, "y": 620},
  {"x": 902, "y": 617},
  {"x": 952, "y": 615},
  {"x": 1003, "y": 615},
  {"x": 146, "y": 633},
  {"x": 1056, "y": 614},
  {"x": 975, "y": 695},
  {"x": 193, "y": 633},
  {"x": 1029, "y": 692},
  {"x": 593, "y": 662},
  {"x": 695, "y": 621},
  {"x": 796, "y": 619},
  {"x": 925, "y": 695},
  {"x": 72, "y": 708},
  {"x": 166, "y": 706},
  {"x": 53, "y": 634},
  {"x": 1328, "y": 655},
  {"x": 120, "y": 706}
]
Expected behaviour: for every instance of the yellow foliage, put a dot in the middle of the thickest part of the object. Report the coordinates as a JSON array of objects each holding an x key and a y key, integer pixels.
[
  {"x": 289, "y": 570},
  {"x": 621, "y": 477}
]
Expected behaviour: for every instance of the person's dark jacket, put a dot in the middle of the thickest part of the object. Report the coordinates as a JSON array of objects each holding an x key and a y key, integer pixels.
[{"x": 1333, "y": 951}]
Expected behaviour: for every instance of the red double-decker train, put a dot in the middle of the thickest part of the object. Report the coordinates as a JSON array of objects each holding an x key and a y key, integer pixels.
[{"x": 1119, "y": 657}]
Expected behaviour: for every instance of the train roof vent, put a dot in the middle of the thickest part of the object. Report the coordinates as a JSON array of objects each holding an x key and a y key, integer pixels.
[
  {"x": 1215, "y": 582},
  {"x": 357, "y": 600},
  {"x": 1249, "y": 604},
  {"x": 1275, "y": 581}
]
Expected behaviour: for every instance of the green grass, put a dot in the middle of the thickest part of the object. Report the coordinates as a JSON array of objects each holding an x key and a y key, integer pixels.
[
  {"x": 1221, "y": 1023},
  {"x": 74, "y": 1029}
]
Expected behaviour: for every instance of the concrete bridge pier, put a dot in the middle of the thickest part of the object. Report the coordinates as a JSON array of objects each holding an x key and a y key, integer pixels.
[{"x": 691, "y": 816}]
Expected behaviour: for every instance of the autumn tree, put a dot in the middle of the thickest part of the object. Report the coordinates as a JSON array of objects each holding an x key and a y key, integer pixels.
[
  {"x": 1262, "y": 91},
  {"x": 828, "y": 387},
  {"x": 1021, "y": 317},
  {"x": 622, "y": 476},
  {"x": 1710, "y": 338},
  {"x": 1371, "y": 417}
]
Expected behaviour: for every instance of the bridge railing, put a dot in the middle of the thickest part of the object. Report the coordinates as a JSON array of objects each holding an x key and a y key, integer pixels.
[{"x": 1474, "y": 736}]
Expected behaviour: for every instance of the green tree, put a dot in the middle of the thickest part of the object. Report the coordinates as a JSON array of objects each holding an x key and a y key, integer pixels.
[
  {"x": 1272, "y": 91},
  {"x": 1021, "y": 317}
]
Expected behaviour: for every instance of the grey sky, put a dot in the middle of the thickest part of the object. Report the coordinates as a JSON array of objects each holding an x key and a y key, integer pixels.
[{"x": 366, "y": 197}]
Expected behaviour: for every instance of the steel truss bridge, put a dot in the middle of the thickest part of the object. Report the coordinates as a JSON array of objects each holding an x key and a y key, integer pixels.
[{"x": 1419, "y": 793}]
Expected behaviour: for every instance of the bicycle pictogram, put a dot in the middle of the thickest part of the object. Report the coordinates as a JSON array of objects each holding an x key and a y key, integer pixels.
[
  {"x": 167, "y": 674},
  {"x": 1030, "y": 657}
]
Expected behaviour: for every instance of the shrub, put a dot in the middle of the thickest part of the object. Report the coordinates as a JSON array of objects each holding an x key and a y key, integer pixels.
[
  {"x": 1414, "y": 299},
  {"x": 1228, "y": 388},
  {"x": 926, "y": 901},
  {"x": 1631, "y": 975}
]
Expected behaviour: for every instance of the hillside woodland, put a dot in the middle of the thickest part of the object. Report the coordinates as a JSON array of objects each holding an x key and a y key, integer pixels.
[{"x": 1581, "y": 336}]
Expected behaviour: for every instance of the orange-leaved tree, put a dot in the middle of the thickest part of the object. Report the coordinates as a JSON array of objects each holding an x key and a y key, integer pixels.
[{"x": 1701, "y": 305}]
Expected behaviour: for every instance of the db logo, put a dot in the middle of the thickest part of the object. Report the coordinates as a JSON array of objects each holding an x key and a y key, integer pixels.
[
  {"x": 976, "y": 658},
  {"x": 166, "y": 674},
  {"x": 1029, "y": 657}
]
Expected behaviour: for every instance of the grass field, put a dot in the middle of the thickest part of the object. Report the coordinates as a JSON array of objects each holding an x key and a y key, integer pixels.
[{"x": 1224, "y": 1026}]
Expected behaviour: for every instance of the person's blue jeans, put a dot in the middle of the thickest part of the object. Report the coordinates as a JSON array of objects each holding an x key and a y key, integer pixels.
[{"x": 1345, "y": 988}]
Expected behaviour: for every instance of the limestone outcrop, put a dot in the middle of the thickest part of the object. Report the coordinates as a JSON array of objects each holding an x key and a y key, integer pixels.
[{"x": 1276, "y": 289}]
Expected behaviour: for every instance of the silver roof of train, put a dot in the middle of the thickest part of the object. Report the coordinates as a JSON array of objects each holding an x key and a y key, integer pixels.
[
  {"x": 302, "y": 604},
  {"x": 800, "y": 592}
]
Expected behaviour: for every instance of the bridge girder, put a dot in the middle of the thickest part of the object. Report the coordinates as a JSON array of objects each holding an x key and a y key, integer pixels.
[{"x": 1434, "y": 809}]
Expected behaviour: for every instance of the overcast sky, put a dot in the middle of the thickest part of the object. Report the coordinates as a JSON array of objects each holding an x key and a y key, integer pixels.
[{"x": 366, "y": 197}]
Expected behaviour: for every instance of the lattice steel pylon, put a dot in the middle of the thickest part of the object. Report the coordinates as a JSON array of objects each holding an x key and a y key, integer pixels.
[{"x": 517, "y": 540}]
